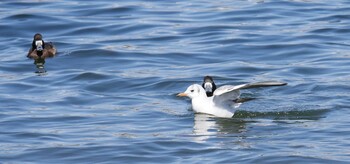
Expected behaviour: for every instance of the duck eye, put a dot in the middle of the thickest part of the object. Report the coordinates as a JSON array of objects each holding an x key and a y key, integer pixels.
[{"x": 192, "y": 90}]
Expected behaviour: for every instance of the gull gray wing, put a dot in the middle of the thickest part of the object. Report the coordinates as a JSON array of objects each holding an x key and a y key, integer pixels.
[
  {"x": 227, "y": 93},
  {"x": 228, "y": 88},
  {"x": 262, "y": 84},
  {"x": 231, "y": 92}
]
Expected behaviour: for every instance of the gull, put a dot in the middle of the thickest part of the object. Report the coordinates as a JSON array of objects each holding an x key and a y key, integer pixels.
[{"x": 221, "y": 101}]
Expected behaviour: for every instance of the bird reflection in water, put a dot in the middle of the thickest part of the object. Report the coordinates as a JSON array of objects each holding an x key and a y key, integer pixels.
[{"x": 206, "y": 127}]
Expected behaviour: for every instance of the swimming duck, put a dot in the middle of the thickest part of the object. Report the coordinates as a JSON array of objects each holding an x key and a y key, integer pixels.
[
  {"x": 40, "y": 49},
  {"x": 209, "y": 85}
]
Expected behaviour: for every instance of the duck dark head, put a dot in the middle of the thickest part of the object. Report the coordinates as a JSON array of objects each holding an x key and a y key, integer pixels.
[
  {"x": 38, "y": 44},
  {"x": 209, "y": 85}
]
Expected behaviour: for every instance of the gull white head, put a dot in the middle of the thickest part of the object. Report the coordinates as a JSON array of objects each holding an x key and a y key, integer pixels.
[{"x": 193, "y": 91}]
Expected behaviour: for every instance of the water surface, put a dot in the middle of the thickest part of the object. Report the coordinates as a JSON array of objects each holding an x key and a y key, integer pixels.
[{"x": 110, "y": 93}]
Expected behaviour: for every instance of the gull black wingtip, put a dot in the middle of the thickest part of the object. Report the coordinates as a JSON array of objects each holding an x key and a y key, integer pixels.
[{"x": 283, "y": 83}]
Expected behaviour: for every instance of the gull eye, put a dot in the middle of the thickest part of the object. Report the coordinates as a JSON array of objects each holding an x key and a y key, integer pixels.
[{"x": 192, "y": 90}]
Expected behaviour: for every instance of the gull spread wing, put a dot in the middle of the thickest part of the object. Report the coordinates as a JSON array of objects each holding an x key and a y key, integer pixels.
[
  {"x": 227, "y": 93},
  {"x": 229, "y": 88},
  {"x": 262, "y": 84},
  {"x": 231, "y": 92}
]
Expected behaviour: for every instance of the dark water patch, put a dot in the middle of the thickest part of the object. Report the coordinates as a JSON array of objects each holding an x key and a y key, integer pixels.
[
  {"x": 251, "y": 69},
  {"x": 200, "y": 30},
  {"x": 15, "y": 4},
  {"x": 34, "y": 24},
  {"x": 330, "y": 30},
  {"x": 319, "y": 37},
  {"x": 110, "y": 11},
  {"x": 335, "y": 18},
  {"x": 34, "y": 136},
  {"x": 75, "y": 100},
  {"x": 101, "y": 153},
  {"x": 113, "y": 86},
  {"x": 16, "y": 67},
  {"x": 137, "y": 86},
  {"x": 124, "y": 29},
  {"x": 311, "y": 71},
  {"x": 290, "y": 158},
  {"x": 162, "y": 85},
  {"x": 14, "y": 87},
  {"x": 289, "y": 114},
  {"x": 90, "y": 76},
  {"x": 26, "y": 17},
  {"x": 87, "y": 30},
  {"x": 93, "y": 53}
]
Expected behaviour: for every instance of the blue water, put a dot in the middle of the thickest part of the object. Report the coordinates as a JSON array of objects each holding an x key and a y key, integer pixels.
[{"x": 109, "y": 96}]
